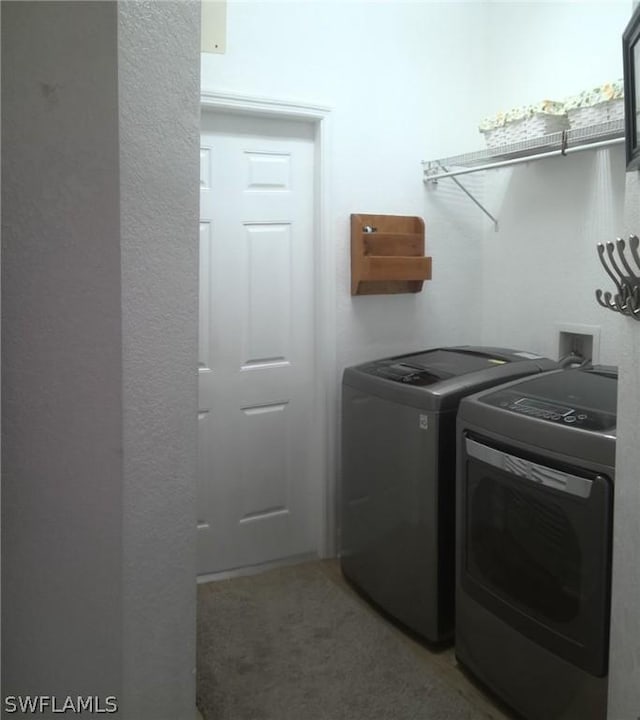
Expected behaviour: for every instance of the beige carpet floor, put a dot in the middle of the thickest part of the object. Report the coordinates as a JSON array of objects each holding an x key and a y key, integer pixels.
[{"x": 297, "y": 643}]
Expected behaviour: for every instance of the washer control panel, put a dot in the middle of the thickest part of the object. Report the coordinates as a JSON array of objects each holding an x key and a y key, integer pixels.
[{"x": 584, "y": 418}]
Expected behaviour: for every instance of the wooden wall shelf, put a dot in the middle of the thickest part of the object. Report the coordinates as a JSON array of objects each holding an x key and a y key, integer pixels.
[{"x": 388, "y": 258}]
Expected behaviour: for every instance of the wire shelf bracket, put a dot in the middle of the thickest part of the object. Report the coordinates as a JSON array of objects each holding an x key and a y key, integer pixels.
[{"x": 469, "y": 194}]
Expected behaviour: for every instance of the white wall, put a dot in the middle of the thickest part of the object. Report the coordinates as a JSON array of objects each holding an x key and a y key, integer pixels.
[
  {"x": 393, "y": 82},
  {"x": 159, "y": 141},
  {"x": 61, "y": 344},
  {"x": 548, "y": 50},
  {"x": 624, "y": 688},
  {"x": 541, "y": 268}
]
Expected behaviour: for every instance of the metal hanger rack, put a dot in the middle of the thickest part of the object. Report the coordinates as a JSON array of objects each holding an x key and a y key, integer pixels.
[
  {"x": 625, "y": 278},
  {"x": 554, "y": 144}
]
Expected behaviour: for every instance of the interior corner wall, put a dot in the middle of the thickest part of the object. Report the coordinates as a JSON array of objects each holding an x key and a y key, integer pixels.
[
  {"x": 159, "y": 96},
  {"x": 61, "y": 351}
]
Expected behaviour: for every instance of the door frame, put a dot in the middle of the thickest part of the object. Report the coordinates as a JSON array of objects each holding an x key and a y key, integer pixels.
[{"x": 324, "y": 294}]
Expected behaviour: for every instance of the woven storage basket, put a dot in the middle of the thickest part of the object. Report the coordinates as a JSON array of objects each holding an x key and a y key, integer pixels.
[
  {"x": 596, "y": 105},
  {"x": 595, "y": 114},
  {"x": 524, "y": 123},
  {"x": 527, "y": 128}
]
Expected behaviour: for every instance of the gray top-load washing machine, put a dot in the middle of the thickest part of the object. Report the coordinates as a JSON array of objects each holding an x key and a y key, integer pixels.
[
  {"x": 536, "y": 463},
  {"x": 397, "y": 490}
]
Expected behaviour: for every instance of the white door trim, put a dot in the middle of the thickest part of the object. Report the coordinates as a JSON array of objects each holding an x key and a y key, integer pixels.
[{"x": 324, "y": 261}]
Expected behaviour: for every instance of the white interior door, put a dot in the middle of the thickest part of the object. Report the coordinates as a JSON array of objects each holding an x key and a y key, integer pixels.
[{"x": 256, "y": 356}]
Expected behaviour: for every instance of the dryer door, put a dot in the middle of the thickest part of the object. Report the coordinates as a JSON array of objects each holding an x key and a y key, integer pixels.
[{"x": 536, "y": 549}]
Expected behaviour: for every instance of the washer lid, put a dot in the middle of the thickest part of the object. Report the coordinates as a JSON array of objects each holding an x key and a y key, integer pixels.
[
  {"x": 438, "y": 365},
  {"x": 436, "y": 379},
  {"x": 433, "y": 366},
  {"x": 451, "y": 362}
]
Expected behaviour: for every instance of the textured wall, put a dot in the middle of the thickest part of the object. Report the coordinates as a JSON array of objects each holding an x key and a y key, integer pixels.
[
  {"x": 100, "y": 120},
  {"x": 159, "y": 44},
  {"x": 61, "y": 351},
  {"x": 624, "y": 683}
]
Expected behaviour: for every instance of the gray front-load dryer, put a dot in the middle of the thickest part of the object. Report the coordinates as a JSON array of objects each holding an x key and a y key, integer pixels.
[
  {"x": 535, "y": 512},
  {"x": 397, "y": 490}
]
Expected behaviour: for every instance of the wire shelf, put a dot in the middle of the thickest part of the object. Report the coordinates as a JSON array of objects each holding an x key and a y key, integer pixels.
[{"x": 557, "y": 142}]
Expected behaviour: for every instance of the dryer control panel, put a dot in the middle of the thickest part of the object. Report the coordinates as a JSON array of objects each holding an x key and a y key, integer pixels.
[{"x": 542, "y": 409}]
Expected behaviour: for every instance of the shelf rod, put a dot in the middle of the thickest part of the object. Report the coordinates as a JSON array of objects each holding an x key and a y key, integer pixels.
[
  {"x": 471, "y": 197},
  {"x": 517, "y": 161}
]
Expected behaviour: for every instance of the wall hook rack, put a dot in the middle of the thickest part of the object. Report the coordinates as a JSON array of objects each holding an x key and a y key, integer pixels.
[{"x": 626, "y": 299}]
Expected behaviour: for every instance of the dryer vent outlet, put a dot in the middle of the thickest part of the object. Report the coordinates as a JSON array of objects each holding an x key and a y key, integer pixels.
[{"x": 581, "y": 342}]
